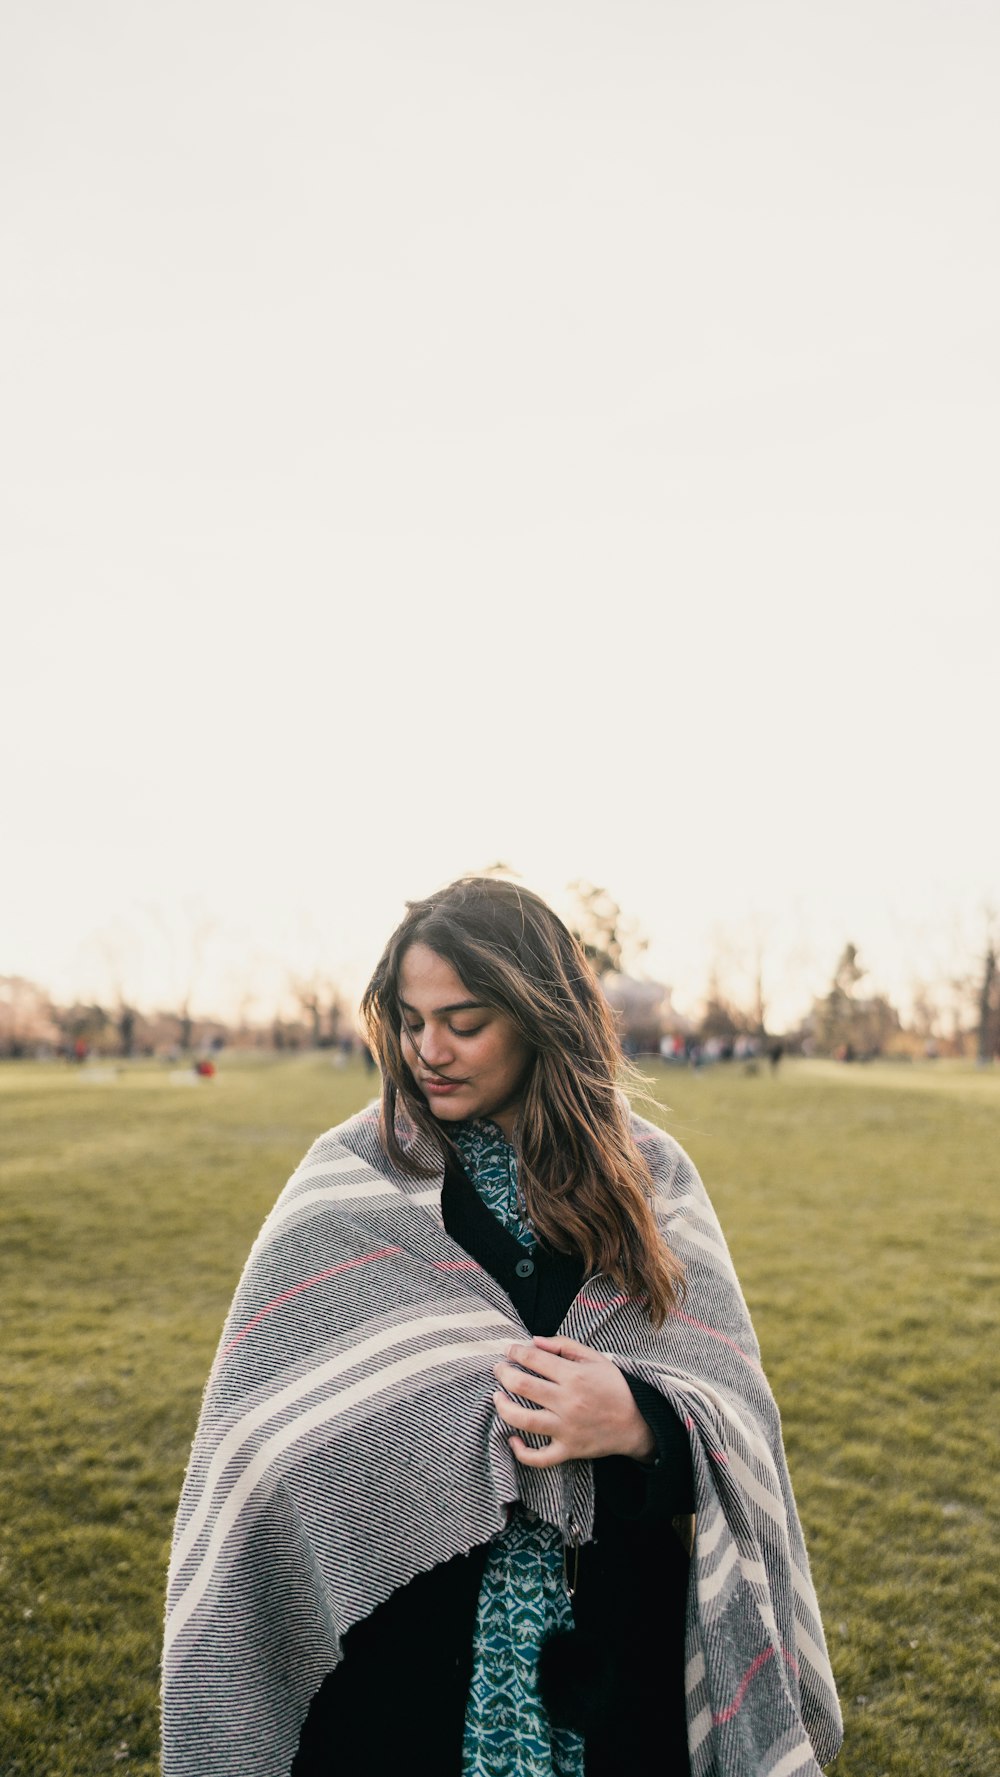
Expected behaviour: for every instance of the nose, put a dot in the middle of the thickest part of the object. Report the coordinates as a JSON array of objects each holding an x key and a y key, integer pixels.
[{"x": 435, "y": 1049}]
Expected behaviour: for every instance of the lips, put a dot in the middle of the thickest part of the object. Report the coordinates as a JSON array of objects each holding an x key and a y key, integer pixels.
[{"x": 437, "y": 1085}]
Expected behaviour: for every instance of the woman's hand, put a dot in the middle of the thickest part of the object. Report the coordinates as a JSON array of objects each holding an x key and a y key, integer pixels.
[{"x": 583, "y": 1404}]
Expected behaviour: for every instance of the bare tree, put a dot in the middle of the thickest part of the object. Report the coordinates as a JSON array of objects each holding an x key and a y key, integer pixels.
[
  {"x": 27, "y": 1016},
  {"x": 322, "y": 1007},
  {"x": 925, "y": 1011},
  {"x": 720, "y": 1017},
  {"x": 119, "y": 949},
  {"x": 609, "y": 940},
  {"x": 186, "y": 936},
  {"x": 504, "y": 872},
  {"x": 988, "y": 1033},
  {"x": 759, "y": 1004},
  {"x": 735, "y": 999},
  {"x": 846, "y": 1023},
  {"x": 86, "y": 1024}
]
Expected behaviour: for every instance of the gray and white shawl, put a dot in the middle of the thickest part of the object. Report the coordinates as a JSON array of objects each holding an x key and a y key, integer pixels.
[{"x": 348, "y": 1441}]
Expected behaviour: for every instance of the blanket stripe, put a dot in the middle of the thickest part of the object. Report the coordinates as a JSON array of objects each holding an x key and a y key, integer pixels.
[{"x": 348, "y": 1441}]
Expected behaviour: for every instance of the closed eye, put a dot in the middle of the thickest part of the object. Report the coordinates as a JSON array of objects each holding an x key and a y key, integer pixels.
[{"x": 413, "y": 1029}]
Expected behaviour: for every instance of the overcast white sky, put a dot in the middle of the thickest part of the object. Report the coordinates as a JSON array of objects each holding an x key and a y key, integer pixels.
[{"x": 565, "y": 433}]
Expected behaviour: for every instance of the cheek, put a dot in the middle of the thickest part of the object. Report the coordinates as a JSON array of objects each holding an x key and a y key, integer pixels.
[{"x": 510, "y": 1059}]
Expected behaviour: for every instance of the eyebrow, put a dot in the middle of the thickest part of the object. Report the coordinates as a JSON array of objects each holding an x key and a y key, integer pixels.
[{"x": 458, "y": 1006}]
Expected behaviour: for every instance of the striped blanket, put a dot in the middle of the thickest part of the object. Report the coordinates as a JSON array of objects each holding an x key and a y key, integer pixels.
[{"x": 348, "y": 1442}]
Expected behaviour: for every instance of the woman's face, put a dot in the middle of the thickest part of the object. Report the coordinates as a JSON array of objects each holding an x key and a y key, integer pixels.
[{"x": 467, "y": 1059}]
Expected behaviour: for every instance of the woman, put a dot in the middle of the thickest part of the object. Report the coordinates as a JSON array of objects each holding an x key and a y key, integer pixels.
[{"x": 466, "y": 1403}]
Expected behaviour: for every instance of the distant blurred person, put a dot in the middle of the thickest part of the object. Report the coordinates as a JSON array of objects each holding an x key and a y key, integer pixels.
[{"x": 487, "y": 1380}]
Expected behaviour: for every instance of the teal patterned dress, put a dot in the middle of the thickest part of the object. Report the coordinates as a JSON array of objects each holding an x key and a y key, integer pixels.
[{"x": 522, "y": 1599}]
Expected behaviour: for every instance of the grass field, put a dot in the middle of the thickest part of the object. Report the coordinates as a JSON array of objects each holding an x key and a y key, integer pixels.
[{"x": 861, "y": 1207}]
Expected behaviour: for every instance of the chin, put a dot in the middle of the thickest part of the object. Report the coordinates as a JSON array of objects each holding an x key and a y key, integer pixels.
[{"x": 447, "y": 1110}]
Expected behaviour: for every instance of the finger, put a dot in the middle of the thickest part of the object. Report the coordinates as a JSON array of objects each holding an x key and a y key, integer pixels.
[
  {"x": 533, "y": 1388},
  {"x": 527, "y": 1418},
  {"x": 569, "y": 1349},
  {"x": 541, "y": 1363},
  {"x": 549, "y": 1457}
]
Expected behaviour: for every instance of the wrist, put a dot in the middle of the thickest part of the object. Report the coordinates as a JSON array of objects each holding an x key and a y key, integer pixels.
[{"x": 642, "y": 1445}]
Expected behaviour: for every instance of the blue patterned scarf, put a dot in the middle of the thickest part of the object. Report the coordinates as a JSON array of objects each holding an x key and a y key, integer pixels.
[{"x": 523, "y": 1598}]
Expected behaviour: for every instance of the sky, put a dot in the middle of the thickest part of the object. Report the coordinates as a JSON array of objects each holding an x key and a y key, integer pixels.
[{"x": 557, "y": 433}]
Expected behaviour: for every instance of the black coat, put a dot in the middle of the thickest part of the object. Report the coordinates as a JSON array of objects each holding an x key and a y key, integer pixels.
[{"x": 395, "y": 1705}]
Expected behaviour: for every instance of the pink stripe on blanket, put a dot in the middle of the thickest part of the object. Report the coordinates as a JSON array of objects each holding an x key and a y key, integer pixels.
[
  {"x": 717, "y": 1455},
  {"x": 748, "y": 1677},
  {"x": 384, "y": 1252},
  {"x": 456, "y": 1265},
  {"x": 744, "y": 1685},
  {"x": 713, "y": 1333}
]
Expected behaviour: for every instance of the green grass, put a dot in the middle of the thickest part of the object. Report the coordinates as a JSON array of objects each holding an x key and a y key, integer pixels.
[{"x": 861, "y": 1209}]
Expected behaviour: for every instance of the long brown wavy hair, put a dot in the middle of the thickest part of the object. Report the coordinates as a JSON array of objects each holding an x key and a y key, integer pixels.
[{"x": 584, "y": 1184}]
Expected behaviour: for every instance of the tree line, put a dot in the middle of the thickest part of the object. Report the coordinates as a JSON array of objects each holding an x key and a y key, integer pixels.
[{"x": 848, "y": 1020}]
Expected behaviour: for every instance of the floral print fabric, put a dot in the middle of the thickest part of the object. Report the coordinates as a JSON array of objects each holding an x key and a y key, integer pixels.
[{"x": 522, "y": 1599}]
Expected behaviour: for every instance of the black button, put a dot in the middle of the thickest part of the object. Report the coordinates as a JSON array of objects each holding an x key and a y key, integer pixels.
[{"x": 524, "y": 1267}]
